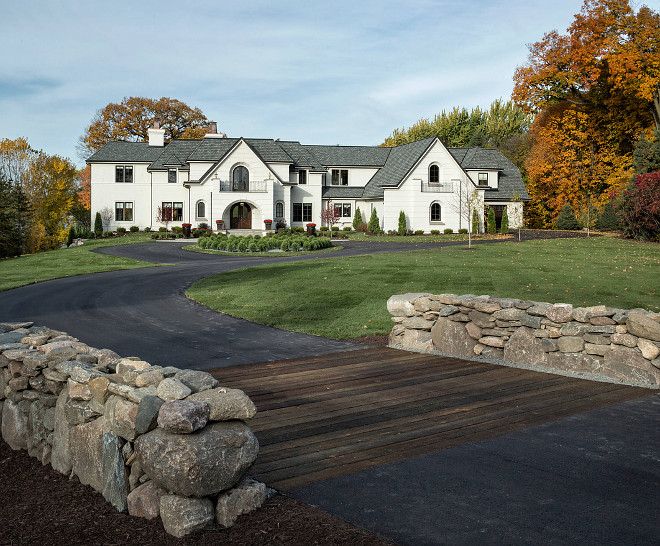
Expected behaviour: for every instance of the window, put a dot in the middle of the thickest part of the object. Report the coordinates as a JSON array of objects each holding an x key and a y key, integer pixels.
[
  {"x": 302, "y": 212},
  {"x": 241, "y": 179},
  {"x": 302, "y": 177},
  {"x": 123, "y": 211},
  {"x": 436, "y": 212},
  {"x": 201, "y": 209},
  {"x": 483, "y": 179},
  {"x": 171, "y": 176},
  {"x": 176, "y": 208},
  {"x": 279, "y": 209},
  {"x": 124, "y": 173},
  {"x": 343, "y": 210},
  {"x": 340, "y": 177},
  {"x": 434, "y": 174}
]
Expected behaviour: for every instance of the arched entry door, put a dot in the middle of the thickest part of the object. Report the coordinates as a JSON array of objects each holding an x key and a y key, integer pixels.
[{"x": 240, "y": 216}]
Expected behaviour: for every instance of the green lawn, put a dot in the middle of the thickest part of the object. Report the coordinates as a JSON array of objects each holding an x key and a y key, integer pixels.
[
  {"x": 441, "y": 238},
  {"x": 346, "y": 297},
  {"x": 67, "y": 262}
]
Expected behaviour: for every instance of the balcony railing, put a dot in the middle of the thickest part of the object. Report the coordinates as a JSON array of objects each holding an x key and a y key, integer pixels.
[
  {"x": 441, "y": 187},
  {"x": 253, "y": 186}
]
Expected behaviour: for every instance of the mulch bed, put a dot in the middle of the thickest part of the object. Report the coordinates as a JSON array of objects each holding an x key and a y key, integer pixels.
[
  {"x": 375, "y": 340},
  {"x": 41, "y": 506}
]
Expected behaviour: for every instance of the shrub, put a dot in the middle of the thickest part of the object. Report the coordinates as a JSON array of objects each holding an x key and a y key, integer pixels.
[
  {"x": 374, "y": 224},
  {"x": 222, "y": 244},
  {"x": 71, "y": 236},
  {"x": 347, "y": 228},
  {"x": 285, "y": 245},
  {"x": 108, "y": 234},
  {"x": 463, "y": 230},
  {"x": 607, "y": 219},
  {"x": 299, "y": 229},
  {"x": 323, "y": 228},
  {"x": 357, "y": 220},
  {"x": 566, "y": 218},
  {"x": 155, "y": 236},
  {"x": 335, "y": 228},
  {"x": 295, "y": 245},
  {"x": 403, "y": 225},
  {"x": 639, "y": 208},
  {"x": 231, "y": 245},
  {"x": 147, "y": 229},
  {"x": 243, "y": 244},
  {"x": 162, "y": 229},
  {"x": 449, "y": 230},
  {"x": 177, "y": 229},
  {"x": 202, "y": 225},
  {"x": 504, "y": 227},
  {"x": 475, "y": 221},
  {"x": 121, "y": 230},
  {"x": 491, "y": 226},
  {"x": 134, "y": 229},
  {"x": 98, "y": 225},
  {"x": 419, "y": 232},
  {"x": 434, "y": 232},
  {"x": 253, "y": 247}
]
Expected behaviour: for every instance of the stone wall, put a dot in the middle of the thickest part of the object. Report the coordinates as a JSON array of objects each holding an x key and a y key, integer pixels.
[
  {"x": 156, "y": 441},
  {"x": 607, "y": 343}
]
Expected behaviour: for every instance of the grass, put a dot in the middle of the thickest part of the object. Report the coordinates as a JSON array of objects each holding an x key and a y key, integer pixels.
[
  {"x": 346, "y": 297},
  {"x": 67, "y": 262},
  {"x": 441, "y": 238},
  {"x": 195, "y": 248}
]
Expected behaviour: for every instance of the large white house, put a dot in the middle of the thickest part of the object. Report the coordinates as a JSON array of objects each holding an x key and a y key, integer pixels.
[{"x": 245, "y": 181}]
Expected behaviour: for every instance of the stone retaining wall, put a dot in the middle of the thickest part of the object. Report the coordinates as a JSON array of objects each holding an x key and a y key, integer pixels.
[
  {"x": 156, "y": 441},
  {"x": 611, "y": 344}
]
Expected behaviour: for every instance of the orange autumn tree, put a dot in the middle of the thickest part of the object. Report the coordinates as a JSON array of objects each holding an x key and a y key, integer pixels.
[
  {"x": 85, "y": 190},
  {"x": 596, "y": 91}
]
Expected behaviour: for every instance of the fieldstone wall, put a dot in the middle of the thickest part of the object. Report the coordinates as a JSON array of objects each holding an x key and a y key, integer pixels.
[
  {"x": 155, "y": 441},
  {"x": 611, "y": 344}
]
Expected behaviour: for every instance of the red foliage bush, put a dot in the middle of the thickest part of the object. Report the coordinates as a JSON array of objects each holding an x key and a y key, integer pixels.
[{"x": 639, "y": 208}]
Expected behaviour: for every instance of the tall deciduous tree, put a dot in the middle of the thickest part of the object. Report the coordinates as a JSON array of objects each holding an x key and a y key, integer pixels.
[
  {"x": 595, "y": 88},
  {"x": 131, "y": 118}
]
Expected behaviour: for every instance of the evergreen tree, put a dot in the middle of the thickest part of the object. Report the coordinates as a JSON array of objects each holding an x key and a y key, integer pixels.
[
  {"x": 491, "y": 226},
  {"x": 607, "y": 219},
  {"x": 646, "y": 155},
  {"x": 566, "y": 218},
  {"x": 14, "y": 219},
  {"x": 98, "y": 225},
  {"x": 357, "y": 220},
  {"x": 504, "y": 228},
  {"x": 403, "y": 226},
  {"x": 475, "y": 221},
  {"x": 72, "y": 236},
  {"x": 374, "y": 223}
]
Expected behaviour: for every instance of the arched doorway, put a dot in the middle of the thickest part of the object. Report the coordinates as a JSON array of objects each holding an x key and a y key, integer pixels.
[{"x": 240, "y": 216}]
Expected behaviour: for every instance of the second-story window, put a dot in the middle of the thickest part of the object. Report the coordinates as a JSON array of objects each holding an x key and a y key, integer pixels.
[
  {"x": 124, "y": 173},
  {"x": 483, "y": 179},
  {"x": 340, "y": 177},
  {"x": 241, "y": 179},
  {"x": 171, "y": 176},
  {"x": 302, "y": 177},
  {"x": 434, "y": 174}
]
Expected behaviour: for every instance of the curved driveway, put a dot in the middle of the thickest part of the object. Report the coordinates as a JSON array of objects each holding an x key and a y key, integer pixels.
[{"x": 145, "y": 312}]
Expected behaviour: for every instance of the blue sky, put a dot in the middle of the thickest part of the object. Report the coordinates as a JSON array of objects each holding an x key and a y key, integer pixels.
[{"x": 318, "y": 72}]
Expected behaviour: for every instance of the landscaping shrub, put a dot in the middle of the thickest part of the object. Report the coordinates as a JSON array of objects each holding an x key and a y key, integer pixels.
[
  {"x": 357, "y": 220},
  {"x": 71, "y": 236},
  {"x": 134, "y": 229},
  {"x": 108, "y": 234},
  {"x": 347, "y": 228},
  {"x": 639, "y": 208},
  {"x": 403, "y": 225},
  {"x": 295, "y": 245},
  {"x": 566, "y": 218},
  {"x": 607, "y": 219},
  {"x": 121, "y": 230},
  {"x": 335, "y": 228},
  {"x": 177, "y": 229},
  {"x": 147, "y": 229},
  {"x": 448, "y": 230},
  {"x": 253, "y": 247},
  {"x": 285, "y": 245},
  {"x": 433, "y": 232},
  {"x": 475, "y": 221},
  {"x": 299, "y": 229},
  {"x": 504, "y": 228},
  {"x": 419, "y": 232},
  {"x": 323, "y": 228},
  {"x": 98, "y": 225},
  {"x": 202, "y": 225},
  {"x": 243, "y": 245},
  {"x": 491, "y": 226},
  {"x": 463, "y": 230},
  {"x": 161, "y": 229},
  {"x": 374, "y": 224},
  {"x": 222, "y": 244}
]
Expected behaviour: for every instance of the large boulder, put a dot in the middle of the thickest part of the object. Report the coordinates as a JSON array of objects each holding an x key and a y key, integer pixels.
[
  {"x": 226, "y": 404},
  {"x": 15, "y": 424},
  {"x": 196, "y": 381},
  {"x": 629, "y": 365},
  {"x": 114, "y": 472},
  {"x": 61, "y": 459},
  {"x": 246, "y": 497},
  {"x": 183, "y": 416},
  {"x": 401, "y": 305},
  {"x": 525, "y": 349},
  {"x": 198, "y": 464},
  {"x": 144, "y": 501},
  {"x": 452, "y": 338},
  {"x": 86, "y": 446},
  {"x": 641, "y": 325},
  {"x": 182, "y": 516}
]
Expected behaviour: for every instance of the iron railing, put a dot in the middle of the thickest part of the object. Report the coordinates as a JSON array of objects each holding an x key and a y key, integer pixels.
[
  {"x": 440, "y": 187},
  {"x": 253, "y": 186}
]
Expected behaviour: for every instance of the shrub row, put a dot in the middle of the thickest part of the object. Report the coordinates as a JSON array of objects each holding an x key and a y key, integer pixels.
[{"x": 283, "y": 241}]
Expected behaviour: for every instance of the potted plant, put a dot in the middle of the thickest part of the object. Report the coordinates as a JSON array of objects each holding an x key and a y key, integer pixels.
[
  {"x": 186, "y": 230},
  {"x": 311, "y": 228},
  {"x": 220, "y": 224},
  {"x": 268, "y": 223}
]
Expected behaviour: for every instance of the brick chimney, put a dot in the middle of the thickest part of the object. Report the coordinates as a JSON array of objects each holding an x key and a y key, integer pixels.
[
  {"x": 156, "y": 135},
  {"x": 213, "y": 131}
]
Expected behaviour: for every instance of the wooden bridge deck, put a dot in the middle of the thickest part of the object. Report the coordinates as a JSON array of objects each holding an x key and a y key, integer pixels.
[{"x": 324, "y": 416}]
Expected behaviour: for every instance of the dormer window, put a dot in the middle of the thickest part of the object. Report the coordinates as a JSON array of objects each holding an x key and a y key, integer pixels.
[
  {"x": 171, "y": 176},
  {"x": 483, "y": 179},
  {"x": 434, "y": 174},
  {"x": 302, "y": 177},
  {"x": 340, "y": 177}
]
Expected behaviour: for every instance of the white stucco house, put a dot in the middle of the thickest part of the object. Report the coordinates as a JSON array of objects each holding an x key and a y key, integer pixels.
[{"x": 246, "y": 181}]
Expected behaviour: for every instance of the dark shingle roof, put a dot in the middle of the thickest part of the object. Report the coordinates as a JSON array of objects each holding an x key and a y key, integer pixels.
[
  {"x": 212, "y": 149},
  {"x": 350, "y": 156},
  {"x": 342, "y": 192},
  {"x": 399, "y": 162},
  {"x": 129, "y": 152},
  {"x": 301, "y": 155},
  {"x": 269, "y": 150},
  {"x": 174, "y": 153}
]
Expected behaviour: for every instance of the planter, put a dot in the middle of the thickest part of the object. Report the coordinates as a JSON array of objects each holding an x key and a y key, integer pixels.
[
  {"x": 311, "y": 229},
  {"x": 268, "y": 224},
  {"x": 220, "y": 224},
  {"x": 186, "y": 230}
]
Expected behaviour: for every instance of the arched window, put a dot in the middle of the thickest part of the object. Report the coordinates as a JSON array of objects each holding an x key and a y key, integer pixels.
[
  {"x": 201, "y": 209},
  {"x": 436, "y": 211},
  {"x": 279, "y": 209},
  {"x": 241, "y": 179},
  {"x": 434, "y": 174}
]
